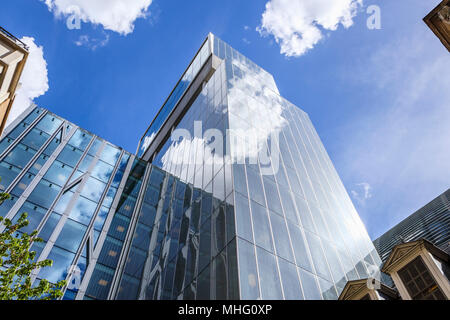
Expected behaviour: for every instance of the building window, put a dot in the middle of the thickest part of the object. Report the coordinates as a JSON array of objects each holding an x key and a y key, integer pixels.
[{"x": 419, "y": 282}]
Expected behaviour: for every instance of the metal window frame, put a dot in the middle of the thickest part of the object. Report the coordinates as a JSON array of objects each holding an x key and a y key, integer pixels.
[{"x": 101, "y": 239}]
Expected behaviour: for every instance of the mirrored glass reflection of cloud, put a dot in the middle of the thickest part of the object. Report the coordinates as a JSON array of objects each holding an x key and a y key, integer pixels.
[
  {"x": 102, "y": 171},
  {"x": 254, "y": 123},
  {"x": 83, "y": 210},
  {"x": 255, "y": 114}
]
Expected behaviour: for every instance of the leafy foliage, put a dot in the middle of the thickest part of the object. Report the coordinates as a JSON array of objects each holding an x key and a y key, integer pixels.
[{"x": 17, "y": 263}]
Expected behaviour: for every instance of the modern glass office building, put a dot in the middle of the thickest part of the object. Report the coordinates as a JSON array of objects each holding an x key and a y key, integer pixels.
[
  {"x": 431, "y": 222},
  {"x": 231, "y": 195}
]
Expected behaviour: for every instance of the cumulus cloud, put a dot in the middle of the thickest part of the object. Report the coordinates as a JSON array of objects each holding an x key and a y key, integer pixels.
[
  {"x": 296, "y": 24},
  {"x": 34, "y": 80},
  {"x": 114, "y": 15}
]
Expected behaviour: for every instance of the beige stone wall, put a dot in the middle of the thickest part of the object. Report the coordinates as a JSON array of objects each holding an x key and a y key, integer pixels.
[{"x": 12, "y": 62}]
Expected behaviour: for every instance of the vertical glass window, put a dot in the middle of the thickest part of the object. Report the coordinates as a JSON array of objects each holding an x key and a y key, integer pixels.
[
  {"x": 93, "y": 189},
  {"x": 63, "y": 201},
  {"x": 135, "y": 262},
  {"x": 35, "y": 215},
  {"x": 305, "y": 214},
  {"x": 38, "y": 164},
  {"x": 62, "y": 260},
  {"x": 85, "y": 163},
  {"x": 243, "y": 220},
  {"x": 17, "y": 131},
  {"x": 7, "y": 174},
  {"x": 119, "y": 226},
  {"x": 281, "y": 176},
  {"x": 49, "y": 124},
  {"x": 83, "y": 210},
  {"x": 219, "y": 229},
  {"x": 51, "y": 147},
  {"x": 319, "y": 222},
  {"x": 205, "y": 245},
  {"x": 335, "y": 265},
  {"x": 58, "y": 173},
  {"x": 44, "y": 193},
  {"x": 141, "y": 237},
  {"x": 309, "y": 284},
  {"x": 269, "y": 280},
  {"x": 102, "y": 171},
  {"x": 49, "y": 226},
  {"x": 7, "y": 205},
  {"x": 101, "y": 217},
  {"x": 247, "y": 271},
  {"x": 263, "y": 236},
  {"x": 233, "y": 279},
  {"x": 293, "y": 180},
  {"x": 71, "y": 235},
  {"x": 300, "y": 248},
  {"x": 110, "y": 252},
  {"x": 110, "y": 154},
  {"x": 20, "y": 155},
  {"x": 288, "y": 205},
  {"x": 35, "y": 139},
  {"x": 22, "y": 184},
  {"x": 33, "y": 115},
  {"x": 80, "y": 139},
  {"x": 219, "y": 269},
  {"x": 203, "y": 285},
  {"x": 70, "y": 155},
  {"x": 318, "y": 257},
  {"x": 129, "y": 288},
  {"x": 5, "y": 143},
  {"x": 219, "y": 185},
  {"x": 95, "y": 146},
  {"x": 256, "y": 190},
  {"x": 273, "y": 200},
  {"x": 289, "y": 278},
  {"x": 240, "y": 184},
  {"x": 100, "y": 282},
  {"x": 328, "y": 290},
  {"x": 281, "y": 237}
]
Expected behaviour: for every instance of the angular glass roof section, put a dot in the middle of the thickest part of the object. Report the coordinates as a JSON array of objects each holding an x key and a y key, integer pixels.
[{"x": 211, "y": 46}]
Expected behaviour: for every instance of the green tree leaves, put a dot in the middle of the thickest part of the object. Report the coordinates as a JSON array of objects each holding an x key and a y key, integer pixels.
[{"x": 17, "y": 263}]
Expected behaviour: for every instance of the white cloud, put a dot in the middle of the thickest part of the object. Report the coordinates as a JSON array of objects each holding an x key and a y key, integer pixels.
[
  {"x": 34, "y": 80},
  {"x": 296, "y": 24},
  {"x": 364, "y": 194},
  {"x": 114, "y": 15},
  {"x": 92, "y": 43},
  {"x": 246, "y": 41}
]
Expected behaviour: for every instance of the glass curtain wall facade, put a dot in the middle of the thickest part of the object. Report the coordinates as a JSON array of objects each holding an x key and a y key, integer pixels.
[
  {"x": 66, "y": 179},
  {"x": 241, "y": 200},
  {"x": 296, "y": 232}
]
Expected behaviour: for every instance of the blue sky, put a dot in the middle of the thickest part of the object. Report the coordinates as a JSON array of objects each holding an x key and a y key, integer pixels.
[{"x": 379, "y": 98}]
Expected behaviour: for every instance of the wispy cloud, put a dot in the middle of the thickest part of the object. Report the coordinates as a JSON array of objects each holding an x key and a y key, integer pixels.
[
  {"x": 115, "y": 15},
  {"x": 92, "y": 43},
  {"x": 296, "y": 24},
  {"x": 402, "y": 145},
  {"x": 34, "y": 80},
  {"x": 363, "y": 192}
]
